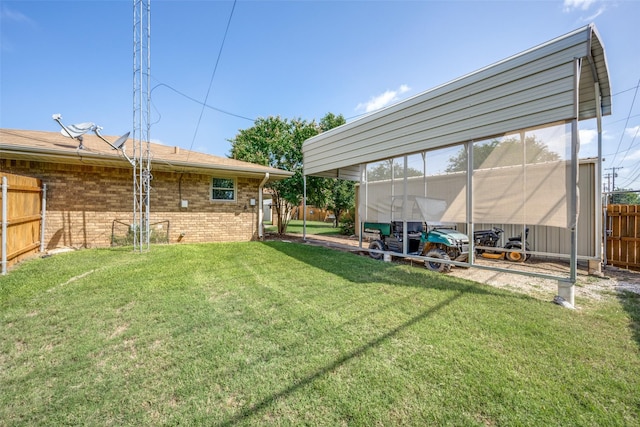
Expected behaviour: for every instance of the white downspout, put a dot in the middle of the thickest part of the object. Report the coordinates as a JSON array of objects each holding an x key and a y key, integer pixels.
[{"x": 260, "y": 207}]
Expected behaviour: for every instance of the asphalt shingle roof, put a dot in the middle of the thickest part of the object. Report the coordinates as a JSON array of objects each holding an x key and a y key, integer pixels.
[{"x": 57, "y": 148}]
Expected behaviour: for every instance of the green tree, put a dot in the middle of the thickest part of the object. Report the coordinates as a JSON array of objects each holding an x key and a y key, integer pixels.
[
  {"x": 342, "y": 198},
  {"x": 628, "y": 198},
  {"x": 336, "y": 195},
  {"x": 382, "y": 171},
  {"x": 506, "y": 152},
  {"x": 277, "y": 142}
]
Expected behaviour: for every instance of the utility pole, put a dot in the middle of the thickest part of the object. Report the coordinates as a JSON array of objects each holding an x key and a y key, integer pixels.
[
  {"x": 607, "y": 187},
  {"x": 613, "y": 176}
]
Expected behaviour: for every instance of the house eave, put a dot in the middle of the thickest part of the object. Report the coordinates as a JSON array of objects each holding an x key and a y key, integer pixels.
[{"x": 87, "y": 157}]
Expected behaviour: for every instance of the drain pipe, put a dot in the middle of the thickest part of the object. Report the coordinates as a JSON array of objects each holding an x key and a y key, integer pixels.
[{"x": 260, "y": 206}]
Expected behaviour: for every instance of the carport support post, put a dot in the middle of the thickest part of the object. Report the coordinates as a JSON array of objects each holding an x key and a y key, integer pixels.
[
  {"x": 566, "y": 290},
  {"x": 304, "y": 207}
]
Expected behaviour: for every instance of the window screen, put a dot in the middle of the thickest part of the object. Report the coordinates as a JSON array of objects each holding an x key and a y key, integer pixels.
[{"x": 223, "y": 189}]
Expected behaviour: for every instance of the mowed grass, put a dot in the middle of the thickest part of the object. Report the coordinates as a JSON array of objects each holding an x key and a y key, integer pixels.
[
  {"x": 280, "y": 333},
  {"x": 313, "y": 227}
]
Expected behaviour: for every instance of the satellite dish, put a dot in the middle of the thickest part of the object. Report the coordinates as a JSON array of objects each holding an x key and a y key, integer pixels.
[
  {"x": 79, "y": 129},
  {"x": 120, "y": 141},
  {"x": 116, "y": 145},
  {"x": 74, "y": 131}
]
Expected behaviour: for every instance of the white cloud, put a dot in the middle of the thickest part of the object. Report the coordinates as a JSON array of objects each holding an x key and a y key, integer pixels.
[
  {"x": 382, "y": 100},
  {"x": 634, "y": 155},
  {"x": 597, "y": 13},
  {"x": 633, "y": 132},
  {"x": 13, "y": 15},
  {"x": 570, "y": 5},
  {"x": 584, "y": 5},
  {"x": 588, "y": 136},
  {"x": 9, "y": 15}
]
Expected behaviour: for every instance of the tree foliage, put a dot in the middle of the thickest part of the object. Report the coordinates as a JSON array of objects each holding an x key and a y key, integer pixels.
[
  {"x": 382, "y": 171},
  {"x": 506, "y": 152},
  {"x": 277, "y": 142},
  {"x": 336, "y": 195},
  {"x": 625, "y": 197}
]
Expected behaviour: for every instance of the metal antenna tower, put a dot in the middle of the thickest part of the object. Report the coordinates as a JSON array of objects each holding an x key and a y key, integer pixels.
[{"x": 141, "y": 123}]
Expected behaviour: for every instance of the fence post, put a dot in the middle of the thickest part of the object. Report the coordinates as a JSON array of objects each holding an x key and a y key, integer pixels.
[
  {"x": 43, "y": 215},
  {"x": 4, "y": 225}
]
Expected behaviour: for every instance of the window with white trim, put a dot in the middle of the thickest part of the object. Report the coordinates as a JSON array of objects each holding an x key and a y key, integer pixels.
[{"x": 223, "y": 189}]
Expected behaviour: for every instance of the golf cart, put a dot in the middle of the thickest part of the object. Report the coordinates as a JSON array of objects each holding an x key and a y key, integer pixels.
[{"x": 437, "y": 242}]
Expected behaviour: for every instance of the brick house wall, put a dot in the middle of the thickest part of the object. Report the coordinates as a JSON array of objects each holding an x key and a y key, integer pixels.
[{"x": 85, "y": 203}]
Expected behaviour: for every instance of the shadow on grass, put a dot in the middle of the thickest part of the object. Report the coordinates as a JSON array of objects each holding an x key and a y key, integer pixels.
[
  {"x": 359, "y": 269},
  {"x": 359, "y": 351},
  {"x": 630, "y": 301},
  {"x": 340, "y": 264}
]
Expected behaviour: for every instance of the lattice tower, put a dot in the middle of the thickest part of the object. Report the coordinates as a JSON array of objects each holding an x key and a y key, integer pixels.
[{"x": 141, "y": 123}]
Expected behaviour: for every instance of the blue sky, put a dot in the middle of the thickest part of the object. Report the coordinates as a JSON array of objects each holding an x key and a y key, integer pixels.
[{"x": 295, "y": 59}]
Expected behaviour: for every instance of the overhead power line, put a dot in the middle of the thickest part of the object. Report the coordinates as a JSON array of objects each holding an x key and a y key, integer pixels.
[
  {"x": 213, "y": 74},
  {"x": 202, "y": 103},
  {"x": 626, "y": 122}
]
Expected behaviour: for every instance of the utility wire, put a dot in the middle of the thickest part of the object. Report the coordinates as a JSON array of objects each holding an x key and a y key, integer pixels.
[
  {"x": 635, "y": 173},
  {"x": 202, "y": 103},
  {"x": 215, "y": 68},
  {"x": 626, "y": 90},
  {"x": 626, "y": 122}
]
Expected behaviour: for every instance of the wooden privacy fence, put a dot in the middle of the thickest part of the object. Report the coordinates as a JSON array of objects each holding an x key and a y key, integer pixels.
[
  {"x": 22, "y": 218},
  {"x": 623, "y": 236}
]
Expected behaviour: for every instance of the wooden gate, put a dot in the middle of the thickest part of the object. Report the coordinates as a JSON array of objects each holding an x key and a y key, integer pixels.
[
  {"x": 623, "y": 236},
  {"x": 21, "y": 218}
]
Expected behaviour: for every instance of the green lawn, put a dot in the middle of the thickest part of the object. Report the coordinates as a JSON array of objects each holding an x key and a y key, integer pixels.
[
  {"x": 313, "y": 227},
  {"x": 280, "y": 333}
]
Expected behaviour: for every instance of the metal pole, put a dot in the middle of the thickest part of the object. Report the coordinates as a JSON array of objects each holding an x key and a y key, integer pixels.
[
  {"x": 363, "y": 180},
  {"x": 4, "y": 225},
  {"x": 261, "y": 207},
  {"x": 405, "y": 202},
  {"x": 304, "y": 207},
  {"x": 470, "y": 226},
  {"x": 566, "y": 290},
  {"x": 43, "y": 216},
  {"x": 600, "y": 240}
]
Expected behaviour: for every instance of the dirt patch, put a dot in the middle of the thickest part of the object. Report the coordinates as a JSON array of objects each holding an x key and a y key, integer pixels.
[{"x": 588, "y": 286}]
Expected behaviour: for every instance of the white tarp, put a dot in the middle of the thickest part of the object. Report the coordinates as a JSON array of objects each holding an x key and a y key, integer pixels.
[{"x": 519, "y": 179}]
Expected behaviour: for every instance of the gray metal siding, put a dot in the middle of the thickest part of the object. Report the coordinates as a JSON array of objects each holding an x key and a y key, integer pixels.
[
  {"x": 554, "y": 240},
  {"x": 533, "y": 88}
]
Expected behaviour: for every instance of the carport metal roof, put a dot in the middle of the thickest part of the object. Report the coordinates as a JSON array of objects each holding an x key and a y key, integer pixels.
[{"x": 532, "y": 88}]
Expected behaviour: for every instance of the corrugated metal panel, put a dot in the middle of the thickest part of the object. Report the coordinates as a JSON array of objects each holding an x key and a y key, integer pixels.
[
  {"x": 552, "y": 240},
  {"x": 555, "y": 240},
  {"x": 529, "y": 89},
  {"x": 349, "y": 173}
]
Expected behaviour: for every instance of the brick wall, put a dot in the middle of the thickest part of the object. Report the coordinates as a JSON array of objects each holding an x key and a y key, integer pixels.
[{"x": 85, "y": 203}]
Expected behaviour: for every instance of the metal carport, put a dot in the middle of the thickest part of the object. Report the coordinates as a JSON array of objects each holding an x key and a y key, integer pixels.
[{"x": 557, "y": 83}]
